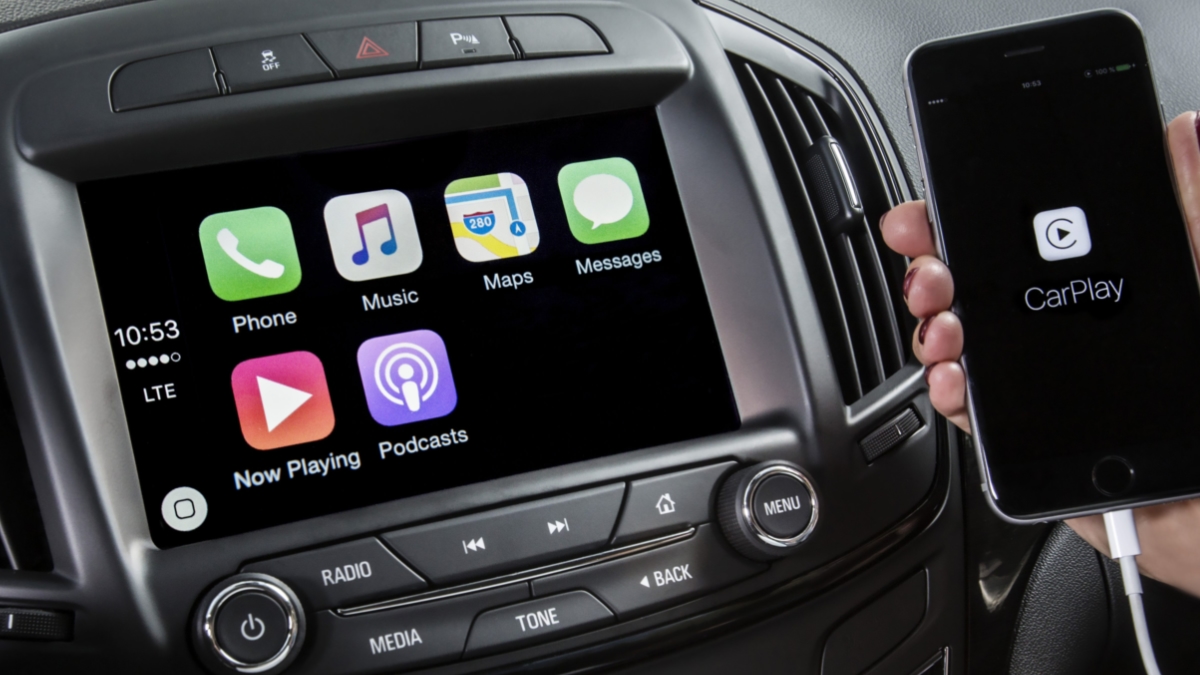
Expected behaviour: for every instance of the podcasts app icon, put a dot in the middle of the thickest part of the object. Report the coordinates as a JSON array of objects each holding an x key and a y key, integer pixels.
[{"x": 406, "y": 377}]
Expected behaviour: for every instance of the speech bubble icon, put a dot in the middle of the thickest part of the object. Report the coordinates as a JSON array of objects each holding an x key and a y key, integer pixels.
[{"x": 603, "y": 198}]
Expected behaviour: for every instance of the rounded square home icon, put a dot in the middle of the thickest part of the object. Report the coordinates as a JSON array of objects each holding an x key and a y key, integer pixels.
[{"x": 1062, "y": 233}]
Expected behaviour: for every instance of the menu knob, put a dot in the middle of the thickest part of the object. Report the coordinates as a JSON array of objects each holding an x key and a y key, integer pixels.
[
  {"x": 251, "y": 623},
  {"x": 767, "y": 510}
]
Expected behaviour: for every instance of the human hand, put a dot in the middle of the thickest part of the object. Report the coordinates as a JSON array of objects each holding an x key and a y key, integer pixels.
[{"x": 1169, "y": 533}]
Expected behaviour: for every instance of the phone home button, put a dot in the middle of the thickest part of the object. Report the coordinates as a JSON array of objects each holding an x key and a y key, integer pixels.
[{"x": 1112, "y": 476}]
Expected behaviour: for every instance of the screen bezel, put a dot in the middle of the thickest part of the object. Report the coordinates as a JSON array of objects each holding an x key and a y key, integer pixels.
[{"x": 1076, "y": 41}]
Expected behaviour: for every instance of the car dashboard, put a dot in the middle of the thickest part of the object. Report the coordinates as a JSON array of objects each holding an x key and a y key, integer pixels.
[{"x": 617, "y": 264}]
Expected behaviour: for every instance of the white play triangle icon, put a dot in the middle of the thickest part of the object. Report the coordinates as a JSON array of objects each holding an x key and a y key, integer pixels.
[{"x": 279, "y": 401}]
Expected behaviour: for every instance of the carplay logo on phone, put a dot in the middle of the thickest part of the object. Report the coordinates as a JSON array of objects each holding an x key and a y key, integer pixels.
[{"x": 1062, "y": 233}]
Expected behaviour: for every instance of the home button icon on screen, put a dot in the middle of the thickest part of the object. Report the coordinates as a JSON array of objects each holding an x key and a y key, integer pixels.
[
  {"x": 184, "y": 509},
  {"x": 1112, "y": 476}
]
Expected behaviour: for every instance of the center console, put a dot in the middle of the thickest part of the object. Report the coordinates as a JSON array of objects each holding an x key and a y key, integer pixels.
[{"x": 464, "y": 336}]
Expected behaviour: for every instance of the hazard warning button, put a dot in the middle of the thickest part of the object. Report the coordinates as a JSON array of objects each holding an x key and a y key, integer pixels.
[{"x": 370, "y": 50}]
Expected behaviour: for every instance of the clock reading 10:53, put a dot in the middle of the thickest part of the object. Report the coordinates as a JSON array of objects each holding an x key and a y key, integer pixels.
[{"x": 131, "y": 336}]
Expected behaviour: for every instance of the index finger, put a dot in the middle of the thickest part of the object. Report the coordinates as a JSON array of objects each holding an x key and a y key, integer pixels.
[
  {"x": 906, "y": 230},
  {"x": 1182, "y": 135}
]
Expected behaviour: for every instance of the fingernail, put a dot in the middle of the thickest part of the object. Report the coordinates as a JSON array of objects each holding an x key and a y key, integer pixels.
[
  {"x": 1196, "y": 124},
  {"x": 924, "y": 327},
  {"x": 908, "y": 281},
  {"x": 884, "y": 216},
  {"x": 928, "y": 369}
]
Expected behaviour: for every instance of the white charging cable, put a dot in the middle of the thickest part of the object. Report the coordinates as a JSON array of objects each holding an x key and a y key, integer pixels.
[{"x": 1124, "y": 547}]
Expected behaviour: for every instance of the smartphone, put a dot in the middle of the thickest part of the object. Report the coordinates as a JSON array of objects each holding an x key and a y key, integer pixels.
[{"x": 1050, "y": 190}]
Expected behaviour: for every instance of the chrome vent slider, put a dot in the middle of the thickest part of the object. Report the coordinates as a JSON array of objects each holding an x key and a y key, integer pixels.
[{"x": 836, "y": 200}]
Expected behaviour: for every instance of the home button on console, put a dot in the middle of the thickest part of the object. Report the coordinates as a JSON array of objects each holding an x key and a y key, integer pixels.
[{"x": 1112, "y": 476}]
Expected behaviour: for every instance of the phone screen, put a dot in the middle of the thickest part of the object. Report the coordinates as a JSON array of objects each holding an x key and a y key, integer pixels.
[{"x": 1074, "y": 277}]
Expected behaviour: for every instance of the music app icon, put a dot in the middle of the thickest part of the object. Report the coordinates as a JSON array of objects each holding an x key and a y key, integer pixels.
[{"x": 373, "y": 235}]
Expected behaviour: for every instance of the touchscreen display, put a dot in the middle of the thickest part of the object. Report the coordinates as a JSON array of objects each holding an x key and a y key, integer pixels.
[
  {"x": 302, "y": 335},
  {"x": 1073, "y": 272}
]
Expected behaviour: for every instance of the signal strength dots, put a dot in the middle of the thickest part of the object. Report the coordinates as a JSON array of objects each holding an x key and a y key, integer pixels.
[{"x": 149, "y": 362}]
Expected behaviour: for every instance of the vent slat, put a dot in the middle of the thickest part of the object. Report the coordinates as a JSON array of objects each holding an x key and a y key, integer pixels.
[
  {"x": 796, "y": 196},
  {"x": 870, "y": 357},
  {"x": 814, "y": 153},
  {"x": 886, "y": 328},
  {"x": 792, "y": 121},
  {"x": 817, "y": 119}
]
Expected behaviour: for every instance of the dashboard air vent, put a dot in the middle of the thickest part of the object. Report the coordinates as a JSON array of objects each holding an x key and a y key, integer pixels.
[
  {"x": 23, "y": 544},
  {"x": 830, "y": 180}
]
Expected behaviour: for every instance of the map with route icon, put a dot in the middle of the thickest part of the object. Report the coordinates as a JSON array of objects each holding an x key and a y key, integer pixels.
[{"x": 491, "y": 217}]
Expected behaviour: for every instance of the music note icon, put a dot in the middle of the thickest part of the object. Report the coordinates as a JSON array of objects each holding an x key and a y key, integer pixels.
[
  {"x": 362, "y": 248},
  {"x": 378, "y": 212}
]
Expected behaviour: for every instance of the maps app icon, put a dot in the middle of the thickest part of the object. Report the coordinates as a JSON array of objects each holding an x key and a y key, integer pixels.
[
  {"x": 406, "y": 377},
  {"x": 491, "y": 217}
]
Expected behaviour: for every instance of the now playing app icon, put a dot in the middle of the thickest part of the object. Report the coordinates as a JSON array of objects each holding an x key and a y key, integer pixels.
[
  {"x": 282, "y": 400},
  {"x": 1062, "y": 233}
]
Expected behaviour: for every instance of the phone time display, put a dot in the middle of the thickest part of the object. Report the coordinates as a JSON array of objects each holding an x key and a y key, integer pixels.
[{"x": 156, "y": 331}]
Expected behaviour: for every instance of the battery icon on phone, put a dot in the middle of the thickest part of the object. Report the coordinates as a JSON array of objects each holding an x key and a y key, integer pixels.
[{"x": 1123, "y": 68}]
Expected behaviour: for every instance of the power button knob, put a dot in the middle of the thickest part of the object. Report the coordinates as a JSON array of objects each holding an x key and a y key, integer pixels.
[
  {"x": 767, "y": 510},
  {"x": 251, "y": 623}
]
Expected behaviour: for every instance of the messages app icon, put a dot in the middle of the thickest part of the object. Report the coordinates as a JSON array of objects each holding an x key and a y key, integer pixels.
[
  {"x": 603, "y": 199},
  {"x": 249, "y": 253},
  {"x": 491, "y": 217}
]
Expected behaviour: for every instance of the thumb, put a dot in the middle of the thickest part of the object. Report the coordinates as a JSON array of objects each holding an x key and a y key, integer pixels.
[{"x": 1183, "y": 140}]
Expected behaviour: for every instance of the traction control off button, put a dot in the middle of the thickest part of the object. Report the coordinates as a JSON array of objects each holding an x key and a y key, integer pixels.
[{"x": 280, "y": 61}]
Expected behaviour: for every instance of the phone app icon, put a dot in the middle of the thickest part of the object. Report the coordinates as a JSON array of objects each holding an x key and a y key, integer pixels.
[
  {"x": 250, "y": 253},
  {"x": 373, "y": 235},
  {"x": 1062, "y": 233},
  {"x": 282, "y": 400},
  {"x": 603, "y": 199},
  {"x": 491, "y": 217},
  {"x": 407, "y": 377}
]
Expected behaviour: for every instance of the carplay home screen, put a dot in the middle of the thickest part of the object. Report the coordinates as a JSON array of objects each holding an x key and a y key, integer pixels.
[
  {"x": 302, "y": 335},
  {"x": 1073, "y": 273}
]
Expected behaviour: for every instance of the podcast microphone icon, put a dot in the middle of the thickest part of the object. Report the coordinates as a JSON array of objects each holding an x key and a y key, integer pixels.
[{"x": 406, "y": 377}]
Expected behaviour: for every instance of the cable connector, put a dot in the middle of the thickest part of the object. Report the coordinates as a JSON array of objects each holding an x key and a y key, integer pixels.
[{"x": 1124, "y": 547}]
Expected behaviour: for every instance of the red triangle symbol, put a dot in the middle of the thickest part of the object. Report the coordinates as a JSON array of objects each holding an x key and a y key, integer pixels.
[{"x": 369, "y": 50}]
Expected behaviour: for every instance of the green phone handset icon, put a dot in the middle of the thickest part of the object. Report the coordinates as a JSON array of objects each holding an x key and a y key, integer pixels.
[
  {"x": 267, "y": 268},
  {"x": 233, "y": 241}
]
